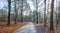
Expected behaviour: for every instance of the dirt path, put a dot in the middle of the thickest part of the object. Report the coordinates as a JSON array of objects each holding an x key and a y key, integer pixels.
[{"x": 29, "y": 28}]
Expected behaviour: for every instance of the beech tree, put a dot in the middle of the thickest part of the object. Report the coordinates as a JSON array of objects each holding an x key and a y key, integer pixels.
[
  {"x": 45, "y": 13},
  {"x": 51, "y": 15},
  {"x": 9, "y": 7}
]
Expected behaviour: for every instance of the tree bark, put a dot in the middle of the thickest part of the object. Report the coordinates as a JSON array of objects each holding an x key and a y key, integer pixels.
[
  {"x": 15, "y": 13},
  {"x": 45, "y": 13},
  {"x": 22, "y": 11},
  {"x": 51, "y": 16},
  {"x": 36, "y": 12},
  {"x": 9, "y": 6}
]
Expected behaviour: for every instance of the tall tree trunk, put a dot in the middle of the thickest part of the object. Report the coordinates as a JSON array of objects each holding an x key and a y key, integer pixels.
[
  {"x": 22, "y": 11},
  {"x": 51, "y": 16},
  {"x": 9, "y": 6},
  {"x": 45, "y": 13},
  {"x": 15, "y": 12},
  {"x": 37, "y": 11}
]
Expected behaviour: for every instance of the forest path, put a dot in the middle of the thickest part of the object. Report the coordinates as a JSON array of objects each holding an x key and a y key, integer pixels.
[{"x": 29, "y": 28}]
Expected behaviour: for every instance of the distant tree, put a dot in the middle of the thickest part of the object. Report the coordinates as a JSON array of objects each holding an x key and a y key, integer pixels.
[
  {"x": 9, "y": 7},
  {"x": 51, "y": 15},
  {"x": 11, "y": 17},
  {"x": 58, "y": 15},
  {"x": 37, "y": 11},
  {"x": 34, "y": 16},
  {"x": 45, "y": 13},
  {"x": 16, "y": 12},
  {"x": 22, "y": 7},
  {"x": 2, "y": 15},
  {"x": 36, "y": 4},
  {"x": 22, "y": 11}
]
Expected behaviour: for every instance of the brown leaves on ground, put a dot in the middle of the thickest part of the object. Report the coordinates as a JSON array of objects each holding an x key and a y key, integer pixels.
[
  {"x": 38, "y": 25},
  {"x": 9, "y": 29}
]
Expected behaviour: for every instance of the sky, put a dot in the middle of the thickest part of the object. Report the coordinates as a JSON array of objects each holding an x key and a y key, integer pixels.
[
  {"x": 4, "y": 3},
  {"x": 31, "y": 5}
]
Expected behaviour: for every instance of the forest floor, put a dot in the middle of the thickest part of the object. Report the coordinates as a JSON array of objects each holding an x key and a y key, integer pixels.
[
  {"x": 25, "y": 28},
  {"x": 47, "y": 30},
  {"x": 4, "y": 28}
]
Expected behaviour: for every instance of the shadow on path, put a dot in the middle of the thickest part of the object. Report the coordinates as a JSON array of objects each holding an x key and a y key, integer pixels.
[{"x": 40, "y": 30}]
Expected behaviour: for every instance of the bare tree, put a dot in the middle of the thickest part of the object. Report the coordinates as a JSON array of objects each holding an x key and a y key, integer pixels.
[
  {"x": 45, "y": 13},
  {"x": 37, "y": 11},
  {"x": 51, "y": 16},
  {"x": 9, "y": 6},
  {"x": 16, "y": 12},
  {"x": 22, "y": 11}
]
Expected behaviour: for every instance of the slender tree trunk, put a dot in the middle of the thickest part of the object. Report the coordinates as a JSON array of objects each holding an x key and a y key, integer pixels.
[
  {"x": 45, "y": 13},
  {"x": 37, "y": 11},
  {"x": 22, "y": 11},
  {"x": 15, "y": 13},
  {"x": 51, "y": 16},
  {"x": 9, "y": 6}
]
